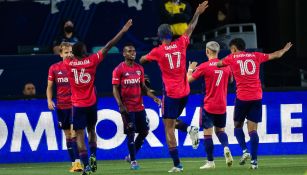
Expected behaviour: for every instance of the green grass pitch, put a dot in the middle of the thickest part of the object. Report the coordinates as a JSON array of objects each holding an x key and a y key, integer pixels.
[{"x": 268, "y": 165}]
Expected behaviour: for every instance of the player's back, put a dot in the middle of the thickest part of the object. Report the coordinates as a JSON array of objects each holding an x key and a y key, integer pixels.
[
  {"x": 246, "y": 68},
  {"x": 82, "y": 76},
  {"x": 59, "y": 75},
  {"x": 216, "y": 83},
  {"x": 172, "y": 62}
]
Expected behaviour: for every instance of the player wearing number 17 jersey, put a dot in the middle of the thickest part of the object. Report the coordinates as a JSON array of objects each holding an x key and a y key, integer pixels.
[
  {"x": 214, "y": 109},
  {"x": 245, "y": 67},
  {"x": 171, "y": 58},
  {"x": 81, "y": 74}
]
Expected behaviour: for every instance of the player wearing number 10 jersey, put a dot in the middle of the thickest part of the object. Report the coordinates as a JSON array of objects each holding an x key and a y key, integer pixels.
[
  {"x": 171, "y": 58},
  {"x": 81, "y": 74},
  {"x": 245, "y": 67}
]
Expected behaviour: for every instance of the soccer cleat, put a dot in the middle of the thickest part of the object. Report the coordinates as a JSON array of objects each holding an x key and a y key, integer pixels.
[
  {"x": 77, "y": 167},
  {"x": 134, "y": 165},
  {"x": 176, "y": 169},
  {"x": 244, "y": 158},
  {"x": 93, "y": 163},
  {"x": 87, "y": 170},
  {"x": 208, "y": 165},
  {"x": 194, "y": 136},
  {"x": 228, "y": 156},
  {"x": 72, "y": 169},
  {"x": 127, "y": 159},
  {"x": 254, "y": 165}
]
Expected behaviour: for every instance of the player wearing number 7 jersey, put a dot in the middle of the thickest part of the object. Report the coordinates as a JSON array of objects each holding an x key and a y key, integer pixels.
[
  {"x": 213, "y": 112},
  {"x": 81, "y": 73},
  {"x": 245, "y": 67},
  {"x": 171, "y": 58}
]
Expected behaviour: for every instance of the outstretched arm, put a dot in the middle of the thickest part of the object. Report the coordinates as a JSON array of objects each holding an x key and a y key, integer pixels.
[
  {"x": 200, "y": 9},
  {"x": 117, "y": 37},
  {"x": 281, "y": 52}
]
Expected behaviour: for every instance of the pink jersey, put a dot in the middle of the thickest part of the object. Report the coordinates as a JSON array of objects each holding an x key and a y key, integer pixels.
[
  {"x": 172, "y": 62},
  {"x": 129, "y": 80},
  {"x": 81, "y": 74},
  {"x": 245, "y": 67},
  {"x": 216, "y": 81},
  {"x": 58, "y": 75}
]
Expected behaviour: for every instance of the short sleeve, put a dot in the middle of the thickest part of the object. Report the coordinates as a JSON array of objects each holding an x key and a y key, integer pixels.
[
  {"x": 227, "y": 60},
  {"x": 51, "y": 74},
  {"x": 199, "y": 71},
  {"x": 262, "y": 57},
  {"x": 116, "y": 77},
  {"x": 153, "y": 55},
  {"x": 97, "y": 57}
]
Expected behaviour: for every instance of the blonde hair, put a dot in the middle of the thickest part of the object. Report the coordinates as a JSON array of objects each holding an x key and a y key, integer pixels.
[{"x": 64, "y": 45}]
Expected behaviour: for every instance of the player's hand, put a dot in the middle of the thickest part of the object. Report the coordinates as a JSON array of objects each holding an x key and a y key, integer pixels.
[
  {"x": 202, "y": 7},
  {"x": 192, "y": 65},
  {"x": 287, "y": 46},
  {"x": 123, "y": 110},
  {"x": 51, "y": 105},
  {"x": 127, "y": 25},
  {"x": 158, "y": 101}
]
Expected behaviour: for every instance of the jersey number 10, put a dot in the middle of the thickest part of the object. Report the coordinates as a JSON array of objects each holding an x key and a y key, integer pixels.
[{"x": 244, "y": 68}]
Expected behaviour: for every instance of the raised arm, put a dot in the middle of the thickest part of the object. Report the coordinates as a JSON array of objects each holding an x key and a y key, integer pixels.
[
  {"x": 117, "y": 37},
  {"x": 281, "y": 52},
  {"x": 200, "y": 9}
]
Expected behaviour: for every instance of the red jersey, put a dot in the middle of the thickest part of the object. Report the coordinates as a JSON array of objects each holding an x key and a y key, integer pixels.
[
  {"x": 129, "y": 79},
  {"x": 216, "y": 81},
  {"x": 81, "y": 74},
  {"x": 246, "y": 67},
  {"x": 172, "y": 62},
  {"x": 58, "y": 75}
]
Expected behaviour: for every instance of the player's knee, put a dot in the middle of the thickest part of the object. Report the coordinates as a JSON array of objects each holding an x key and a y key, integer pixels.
[
  {"x": 238, "y": 124},
  {"x": 130, "y": 128}
]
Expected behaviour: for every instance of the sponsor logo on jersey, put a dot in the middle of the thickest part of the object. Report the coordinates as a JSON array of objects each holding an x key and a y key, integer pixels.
[
  {"x": 127, "y": 74},
  {"x": 62, "y": 80},
  {"x": 132, "y": 81},
  {"x": 60, "y": 73},
  {"x": 173, "y": 46}
]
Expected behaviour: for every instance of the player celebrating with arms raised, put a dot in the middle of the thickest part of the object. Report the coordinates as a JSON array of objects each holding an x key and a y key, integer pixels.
[
  {"x": 246, "y": 67},
  {"x": 82, "y": 71},
  {"x": 171, "y": 58}
]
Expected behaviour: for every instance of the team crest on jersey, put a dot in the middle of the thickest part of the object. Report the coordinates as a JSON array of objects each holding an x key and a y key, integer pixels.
[{"x": 138, "y": 72}]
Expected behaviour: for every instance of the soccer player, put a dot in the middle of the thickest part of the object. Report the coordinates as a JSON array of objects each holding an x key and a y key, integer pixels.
[
  {"x": 214, "y": 109},
  {"x": 128, "y": 84},
  {"x": 81, "y": 73},
  {"x": 58, "y": 75},
  {"x": 248, "y": 105},
  {"x": 171, "y": 58}
]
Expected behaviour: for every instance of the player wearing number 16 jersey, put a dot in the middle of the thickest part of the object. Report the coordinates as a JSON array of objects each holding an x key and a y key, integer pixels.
[
  {"x": 245, "y": 67},
  {"x": 81, "y": 74},
  {"x": 171, "y": 58},
  {"x": 214, "y": 109}
]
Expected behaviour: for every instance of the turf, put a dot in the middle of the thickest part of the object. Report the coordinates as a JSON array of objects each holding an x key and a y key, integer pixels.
[{"x": 268, "y": 165}]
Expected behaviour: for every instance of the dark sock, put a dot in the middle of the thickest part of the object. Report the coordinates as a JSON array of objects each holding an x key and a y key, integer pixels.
[
  {"x": 131, "y": 146},
  {"x": 140, "y": 140},
  {"x": 75, "y": 147},
  {"x": 223, "y": 138},
  {"x": 93, "y": 148},
  {"x": 240, "y": 138},
  {"x": 174, "y": 155},
  {"x": 254, "y": 141},
  {"x": 84, "y": 157},
  {"x": 70, "y": 149},
  {"x": 209, "y": 147}
]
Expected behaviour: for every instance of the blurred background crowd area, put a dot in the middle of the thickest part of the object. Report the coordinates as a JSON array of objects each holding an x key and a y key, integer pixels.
[{"x": 31, "y": 30}]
